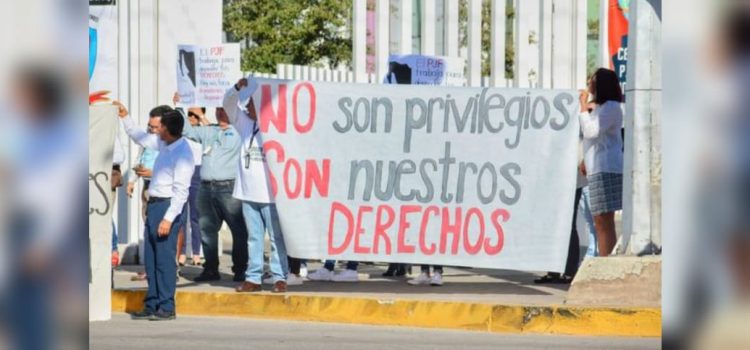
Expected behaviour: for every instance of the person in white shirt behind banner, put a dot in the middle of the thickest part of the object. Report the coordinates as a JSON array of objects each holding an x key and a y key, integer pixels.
[
  {"x": 253, "y": 188},
  {"x": 168, "y": 193},
  {"x": 601, "y": 122}
]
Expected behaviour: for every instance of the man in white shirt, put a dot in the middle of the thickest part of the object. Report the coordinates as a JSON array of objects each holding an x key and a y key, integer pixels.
[
  {"x": 168, "y": 193},
  {"x": 253, "y": 189}
]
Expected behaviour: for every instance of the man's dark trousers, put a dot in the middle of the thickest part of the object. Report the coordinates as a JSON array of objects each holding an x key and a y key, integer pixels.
[
  {"x": 216, "y": 204},
  {"x": 159, "y": 255}
]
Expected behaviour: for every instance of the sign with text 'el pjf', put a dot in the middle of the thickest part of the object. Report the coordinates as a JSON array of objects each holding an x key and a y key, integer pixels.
[
  {"x": 204, "y": 73},
  {"x": 479, "y": 177}
]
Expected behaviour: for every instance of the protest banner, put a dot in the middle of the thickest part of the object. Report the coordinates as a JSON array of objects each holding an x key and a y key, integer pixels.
[
  {"x": 102, "y": 127},
  {"x": 481, "y": 177},
  {"x": 425, "y": 70},
  {"x": 103, "y": 31},
  {"x": 204, "y": 73}
]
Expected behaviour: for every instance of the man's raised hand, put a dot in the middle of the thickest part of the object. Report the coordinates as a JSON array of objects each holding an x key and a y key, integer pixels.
[{"x": 122, "y": 112}]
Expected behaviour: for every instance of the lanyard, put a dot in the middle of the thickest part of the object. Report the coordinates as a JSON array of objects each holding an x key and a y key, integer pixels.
[
  {"x": 252, "y": 138},
  {"x": 247, "y": 151}
]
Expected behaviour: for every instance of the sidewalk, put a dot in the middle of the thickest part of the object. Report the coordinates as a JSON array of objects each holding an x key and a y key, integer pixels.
[
  {"x": 470, "y": 299},
  {"x": 461, "y": 284}
]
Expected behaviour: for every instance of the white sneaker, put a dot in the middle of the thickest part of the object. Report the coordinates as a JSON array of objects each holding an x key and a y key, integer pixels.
[
  {"x": 437, "y": 279},
  {"x": 303, "y": 271},
  {"x": 423, "y": 278},
  {"x": 294, "y": 280},
  {"x": 346, "y": 276},
  {"x": 321, "y": 274}
]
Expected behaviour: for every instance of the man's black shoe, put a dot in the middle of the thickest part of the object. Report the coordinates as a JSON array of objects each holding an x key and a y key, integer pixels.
[
  {"x": 163, "y": 316},
  {"x": 206, "y": 276},
  {"x": 144, "y": 314}
]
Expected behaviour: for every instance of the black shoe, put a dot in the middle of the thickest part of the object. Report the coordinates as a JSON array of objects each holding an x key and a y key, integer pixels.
[
  {"x": 238, "y": 277},
  {"x": 144, "y": 314},
  {"x": 163, "y": 316},
  {"x": 207, "y": 276},
  {"x": 239, "y": 273},
  {"x": 397, "y": 270},
  {"x": 551, "y": 278}
]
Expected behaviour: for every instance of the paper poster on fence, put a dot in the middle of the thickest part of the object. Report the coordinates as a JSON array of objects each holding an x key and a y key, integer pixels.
[
  {"x": 480, "y": 177},
  {"x": 204, "y": 73},
  {"x": 425, "y": 70}
]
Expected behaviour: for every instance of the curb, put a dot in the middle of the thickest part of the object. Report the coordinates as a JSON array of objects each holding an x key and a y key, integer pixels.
[{"x": 556, "y": 319}]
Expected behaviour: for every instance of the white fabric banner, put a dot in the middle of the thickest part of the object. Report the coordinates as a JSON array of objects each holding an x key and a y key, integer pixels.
[
  {"x": 103, "y": 73},
  {"x": 102, "y": 126},
  {"x": 425, "y": 70},
  {"x": 204, "y": 73},
  {"x": 481, "y": 177}
]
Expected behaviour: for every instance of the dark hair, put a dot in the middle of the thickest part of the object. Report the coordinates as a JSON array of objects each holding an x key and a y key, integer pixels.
[
  {"x": 203, "y": 109},
  {"x": 736, "y": 32},
  {"x": 159, "y": 111},
  {"x": 606, "y": 86},
  {"x": 173, "y": 121},
  {"x": 46, "y": 88}
]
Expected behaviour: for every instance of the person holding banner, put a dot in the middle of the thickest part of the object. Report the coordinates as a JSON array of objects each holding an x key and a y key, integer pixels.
[
  {"x": 326, "y": 273},
  {"x": 192, "y": 207},
  {"x": 600, "y": 122},
  {"x": 574, "y": 250},
  {"x": 253, "y": 189},
  {"x": 191, "y": 214},
  {"x": 434, "y": 279},
  {"x": 583, "y": 207},
  {"x": 222, "y": 145},
  {"x": 196, "y": 116},
  {"x": 168, "y": 193}
]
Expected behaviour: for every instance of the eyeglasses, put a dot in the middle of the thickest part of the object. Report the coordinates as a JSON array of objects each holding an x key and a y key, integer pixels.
[{"x": 191, "y": 114}]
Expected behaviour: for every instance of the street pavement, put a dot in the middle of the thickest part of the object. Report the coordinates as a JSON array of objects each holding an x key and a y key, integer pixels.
[{"x": 238, "y": 333}]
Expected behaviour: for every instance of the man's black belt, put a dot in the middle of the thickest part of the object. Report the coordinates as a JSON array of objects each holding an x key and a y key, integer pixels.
[
  {"x": 217, "y": 182},
  {"x": 158, "y": 199}
]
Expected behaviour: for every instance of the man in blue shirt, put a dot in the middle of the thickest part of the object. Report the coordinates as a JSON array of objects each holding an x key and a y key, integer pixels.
[
  {"x": 222, "y": 145},
  {"x": 146, "y": 158}
]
